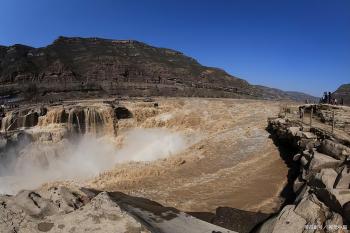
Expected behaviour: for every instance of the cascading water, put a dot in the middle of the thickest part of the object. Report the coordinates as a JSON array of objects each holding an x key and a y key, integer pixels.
[
  {"x": 54, "y": 116},
  {"x": 76, "y": 142},
  {"x": 81, "y": 120},
  {"x": 6, "y": 122},
  {"x": 15, "y": 120}
]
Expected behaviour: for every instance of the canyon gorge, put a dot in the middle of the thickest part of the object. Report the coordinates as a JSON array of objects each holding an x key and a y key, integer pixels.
[{"x": 195, "y": 155}]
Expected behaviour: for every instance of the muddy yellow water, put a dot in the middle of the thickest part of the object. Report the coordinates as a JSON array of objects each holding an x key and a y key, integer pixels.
[{"x": 231, "y": 160}]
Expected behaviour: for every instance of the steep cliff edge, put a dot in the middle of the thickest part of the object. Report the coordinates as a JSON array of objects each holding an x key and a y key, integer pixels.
[{"x": 322, "y": 202}]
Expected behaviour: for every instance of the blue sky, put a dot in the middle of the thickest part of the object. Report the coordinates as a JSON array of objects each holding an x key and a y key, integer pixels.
[{"x": 301, "y": 45}]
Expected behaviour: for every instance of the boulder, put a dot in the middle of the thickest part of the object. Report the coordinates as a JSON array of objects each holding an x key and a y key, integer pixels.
[
  {"x": 309, "y": 135},
  {"x": 33, "y": 204},
  {"x": 342, "y": 196},
  {"x": 318, "y": 215},
  {"x": 296, "y": 157},
  {"x": 303, "y": 161},
  {"x": 312, "y": 210},
  {"x": 65, "y": 199},
  {"x": 335, "y": 199},
  {"x": 295, "y": 131},
  {"x": 334, "y": 222},
  {"x": 287, "y": 222},
  {"x": 324, "y": 179},
  {"x": 320, "y": 161},
  {"x": 343, "y": 179},
  {"x": 267, "y": 226},
  {"x": 308, "y": 154},
  {"x": 306, "y": 174},
  {"x": 336, "y": 150},
  {"x": 305, "y": 143},
  {"x": 298, "y": 185},
  {"x": 303, "y": 193}
]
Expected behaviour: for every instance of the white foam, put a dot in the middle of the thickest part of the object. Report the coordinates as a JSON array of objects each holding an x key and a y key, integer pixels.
[{"x": 85, "y": 158}]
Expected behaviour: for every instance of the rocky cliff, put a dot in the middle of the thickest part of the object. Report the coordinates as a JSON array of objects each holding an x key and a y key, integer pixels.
[
  {"x": 322, "y": 202},
  {"x": 87, "y": 67}
]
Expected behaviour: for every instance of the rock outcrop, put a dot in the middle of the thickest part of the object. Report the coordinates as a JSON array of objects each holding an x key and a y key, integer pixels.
[
  {"x": 323, "y": 186},
  {"x": 73, "y": 209}
]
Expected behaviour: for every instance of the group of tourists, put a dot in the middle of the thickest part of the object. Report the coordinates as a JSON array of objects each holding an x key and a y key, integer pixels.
[{"x": 328, "y": 99}]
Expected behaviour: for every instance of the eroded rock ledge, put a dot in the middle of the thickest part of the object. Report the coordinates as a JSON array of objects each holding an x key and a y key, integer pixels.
[
  {"x": 73, "y": 209},
  {"x": 322, "y": 189}
]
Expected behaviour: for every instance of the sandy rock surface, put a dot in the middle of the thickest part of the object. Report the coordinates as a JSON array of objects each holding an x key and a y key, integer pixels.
[{"x": 62, "y": 209}]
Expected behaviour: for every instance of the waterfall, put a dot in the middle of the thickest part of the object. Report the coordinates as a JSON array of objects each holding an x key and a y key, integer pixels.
[
  {"x": 94, "y": 120},
  {"x": 8, "y": 122},
  {"x": 54, "y": 116}
]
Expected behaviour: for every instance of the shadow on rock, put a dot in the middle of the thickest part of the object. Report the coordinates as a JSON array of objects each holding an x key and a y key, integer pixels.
[
  {"x": 287, "y": 153},
  {"x": 234, "y": 219}
]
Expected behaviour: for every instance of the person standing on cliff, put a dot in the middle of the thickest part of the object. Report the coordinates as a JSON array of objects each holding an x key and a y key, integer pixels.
[{"x": 325, "y": 98}]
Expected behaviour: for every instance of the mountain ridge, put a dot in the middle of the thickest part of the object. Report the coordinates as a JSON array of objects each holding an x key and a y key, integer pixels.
[
  {"x": 343, "y": 92},
  {"x": 78, "y": 67}
]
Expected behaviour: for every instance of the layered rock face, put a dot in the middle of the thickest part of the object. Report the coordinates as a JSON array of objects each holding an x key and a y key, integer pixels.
[
  {"x": 323, "y": 186},
  {"x": 106, "y": 67},
  {"x": 90, "y": 67}
]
